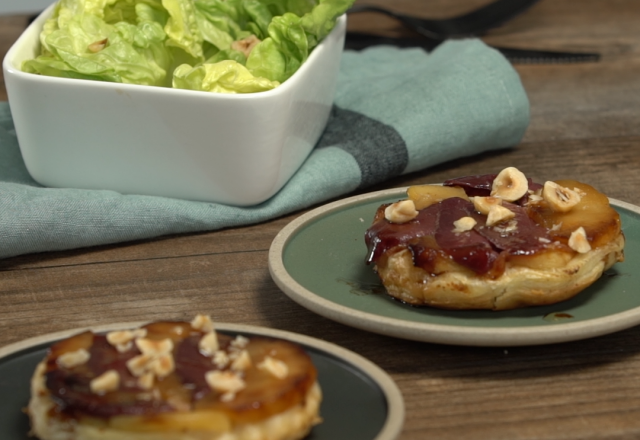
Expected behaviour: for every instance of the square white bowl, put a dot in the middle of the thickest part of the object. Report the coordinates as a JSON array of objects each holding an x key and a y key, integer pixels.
[{"x": 237, "y": 149}]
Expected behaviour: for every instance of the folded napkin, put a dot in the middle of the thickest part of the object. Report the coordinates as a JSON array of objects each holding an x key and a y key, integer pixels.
[{"x": 396, "y": 111}]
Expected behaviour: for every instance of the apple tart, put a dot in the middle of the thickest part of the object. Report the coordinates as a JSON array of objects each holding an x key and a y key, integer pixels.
[
  {"x": 174, "y": 381},
  {"x": 497, "y": 241}
]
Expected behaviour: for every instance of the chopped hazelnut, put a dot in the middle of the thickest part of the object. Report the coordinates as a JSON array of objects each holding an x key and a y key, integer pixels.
[
  {"x": 228, "y": 397},
  {"x": 245, "y": 45},
  {"x": 124, "y": 347},
  {"x": 559, "y": 198},
  {"x": 510, "y": 184},
  {"x": 464, "y": 224},
  {"x": 140, "y": 364},
  {"x": 220, "y": 359},
  {"x": 578, "y": 241},
  {"x": 208, "y": 344},
  {"x": 239, "y": 342},
  {"x": 97, "y": 46},
  {"x": 499, "y": 213},
  {"x": 124, "y": 336},
  {"x": 401, "y": 212},
  {"x": 483, "y": 204},
  {"x": 224, "y": 381},
  {"x": 73, "y": 358},
  {"x": 535, "y": 198},
  {"x": 242, "y": 361},
  {"x": 154, "y": 347},
  {"x": 202, "y": 323},
  {"x": 146, "y": 381},
  {"x": 107, "y": 381},
  {"x": 274, "y": 366},
  {"x": 163, "y": 365},
  {"x": 123, "y": 339}
]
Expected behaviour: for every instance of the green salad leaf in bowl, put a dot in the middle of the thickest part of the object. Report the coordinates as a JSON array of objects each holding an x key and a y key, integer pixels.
[{"x": 224, "y": 46}]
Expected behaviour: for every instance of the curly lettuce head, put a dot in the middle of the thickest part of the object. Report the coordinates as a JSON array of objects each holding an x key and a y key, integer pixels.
[{"x": 225, "y": 46}]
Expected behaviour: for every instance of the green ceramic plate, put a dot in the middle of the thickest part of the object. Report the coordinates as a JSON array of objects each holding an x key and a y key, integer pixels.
[
  {"x": 318, "y": 261},
  {"x": 360, "y": 401}
]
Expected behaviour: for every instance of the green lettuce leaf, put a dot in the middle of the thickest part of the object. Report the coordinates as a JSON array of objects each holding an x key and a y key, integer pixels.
[
  {"x": 226, "y": 76},
  {"x": 88, "y": 47},
  {"x": 184, "y": 43},
  {"x": 182, "y": 27},
  {"x": 291, "y": 39}
]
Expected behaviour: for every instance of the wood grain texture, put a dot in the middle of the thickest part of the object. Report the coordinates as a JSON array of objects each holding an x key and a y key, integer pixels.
[{"x": 584, "y": 126}]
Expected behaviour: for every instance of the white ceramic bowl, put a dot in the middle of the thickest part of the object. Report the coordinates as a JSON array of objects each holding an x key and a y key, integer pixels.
[{"x": 236, "y": 149}]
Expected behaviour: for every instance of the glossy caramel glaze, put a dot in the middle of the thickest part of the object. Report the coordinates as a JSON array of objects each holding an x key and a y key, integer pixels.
[
  {"x": 536, "y": 237},
  {"x": 184, "y": 389}
]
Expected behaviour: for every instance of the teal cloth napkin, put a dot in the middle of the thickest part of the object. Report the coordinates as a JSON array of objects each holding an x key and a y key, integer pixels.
[{"x": 396, "y": 111}]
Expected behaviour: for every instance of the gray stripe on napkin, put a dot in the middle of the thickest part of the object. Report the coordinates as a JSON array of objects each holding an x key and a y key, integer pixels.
[{"x": 379, "y": 150}]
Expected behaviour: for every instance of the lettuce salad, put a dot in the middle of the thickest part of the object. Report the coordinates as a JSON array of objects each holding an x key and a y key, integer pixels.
[{"x": 224, "y": 46}]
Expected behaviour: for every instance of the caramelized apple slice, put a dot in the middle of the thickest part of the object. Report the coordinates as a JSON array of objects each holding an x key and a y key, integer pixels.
[
  {"x": 547, "y": 259},
  {"x": 265, "y": 394},
  {"x": 204, "y": 420},
  {"x": 80, "y": 341},
  {"x": 427, "y": 195},
  {"x": 600, "y": 221}
]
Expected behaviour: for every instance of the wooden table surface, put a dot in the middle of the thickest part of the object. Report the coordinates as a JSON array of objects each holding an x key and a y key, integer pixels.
[{"x": 585, "y": 125}]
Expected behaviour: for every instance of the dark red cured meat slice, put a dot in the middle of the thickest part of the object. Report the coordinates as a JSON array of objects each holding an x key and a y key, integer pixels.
[
  {"x": 526, "y": 239},
  {"x": 71, "y": 389},
  {"x": 479, "y": 249},
  {"x": 473, "y": 185},
  {"x": 469, "y": 248},
  {"x": 480, "y": 185},
  {"x": 192, "y": 365},
  {"x": 383, "y": 235}
]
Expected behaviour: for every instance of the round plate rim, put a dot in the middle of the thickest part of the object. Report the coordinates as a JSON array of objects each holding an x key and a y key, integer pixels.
[
  {"x": 395, "y": 402},
  {"x": 429, "y": 332}
]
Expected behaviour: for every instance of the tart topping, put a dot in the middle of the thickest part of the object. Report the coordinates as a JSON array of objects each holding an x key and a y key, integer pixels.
[
  {"x": 514, "y": 217},
  {"x": 166, "y": 374},
  {"x": 73, "y": 358},
  {"x": 424, "y": 196},
  {"x": 484, "y": 204},
  {"x": 510, "y": 185},
  {"x": 107, "y": 381},
  {"x": 239, "y": 343},
  {"x": 220, "y": 359},
  {"x": 208, "y": 344},
  {"x": 499, "y": 213},
  {"x": 559, "y": 198},
  {"x": 241, "y": 361},
  {"x": 579, "y": 242},
  {"x": 123, "y": 339},
  {"x": 401, "y": 212},
  {"x": 163, "y": 365},
  {"x": 154, "y": 347},
  {"x": 202, "y": 323},
  {"x": 139, "y": 365},
  {"x": 226, "y": 382},
  {"x": 146, "y": 381},
  {"x": 156, "y": 358},
  {"x": 276, "y": 367},
  {"x": 464, "y": 224}
]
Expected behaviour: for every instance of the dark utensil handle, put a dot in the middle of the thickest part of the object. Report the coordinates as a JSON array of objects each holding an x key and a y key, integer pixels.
[{"x": 359, "y": 41}]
